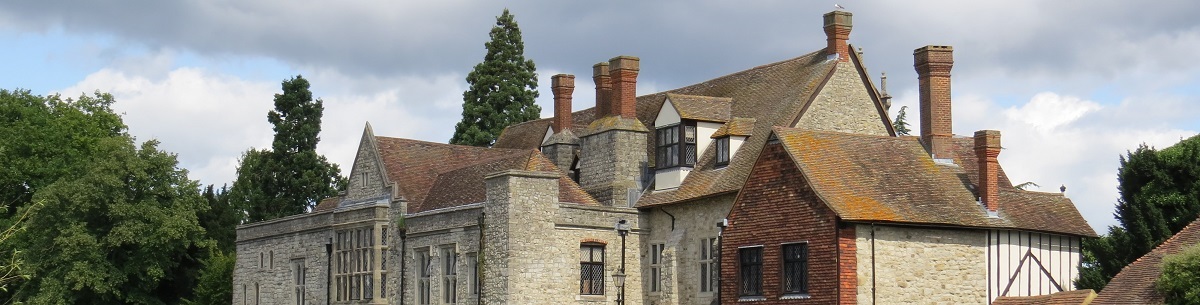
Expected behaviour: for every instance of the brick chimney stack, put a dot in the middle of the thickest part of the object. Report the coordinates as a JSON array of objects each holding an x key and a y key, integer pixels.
[
  {"x": 987, "y": 148},
  {"x": 563, "y": 86},
  {"x": 837, "y": 31},
  {"x": 624, "y": 70},
  {"x": 933, "y": 64},
  {"x": 603, "y": 89}
]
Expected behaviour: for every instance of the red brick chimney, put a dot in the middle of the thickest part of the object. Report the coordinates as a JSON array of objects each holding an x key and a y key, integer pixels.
[
  {"x": 987, "y": 148},
  {"x": 837, "y": 31},
  {"x": 603, "y": 89},
  {"x": 563, "y": 86},
  {"x": 933, "y": 64},
  {"x": 624, "y": 70}
]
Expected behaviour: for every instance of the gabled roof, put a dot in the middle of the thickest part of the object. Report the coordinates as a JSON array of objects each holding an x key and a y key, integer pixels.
[
  {"x": 1072, "y": 297},
  {"x": 701, "y": 108},
  {"x": 865, "y": 178},
  {"x": 735, "y": 127},
  {"x": 1135, "y": 283},
  {"x": 434, "y": 175}
]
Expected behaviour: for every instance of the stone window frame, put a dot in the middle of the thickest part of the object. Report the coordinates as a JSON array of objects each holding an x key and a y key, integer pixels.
[
  {"x": 708, "y": 269},
  {"x": 723, "y": 153},
  {"x": 750, "y": 272},
  {"x": 449, "y": 264},
  {"x": 355, "y": 270},
  {"x": 673, "y": 147},
  {"x": 590, "y": 266},
  {"x": 423, "y": 263},
  {"x": 299, "y": 273},
  {"x": 794, "y": 266},
  {"x": 473, "y": 274},
  {"x": 654, "y": 276}
]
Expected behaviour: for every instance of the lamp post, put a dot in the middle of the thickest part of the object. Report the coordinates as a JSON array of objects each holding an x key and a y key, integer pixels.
[{"x": 619, "y": 278}]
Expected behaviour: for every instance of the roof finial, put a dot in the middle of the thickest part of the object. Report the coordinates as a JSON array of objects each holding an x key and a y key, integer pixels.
[
  {"x": 887, "y": 98},
  {"x": 1062, "y": 188}
]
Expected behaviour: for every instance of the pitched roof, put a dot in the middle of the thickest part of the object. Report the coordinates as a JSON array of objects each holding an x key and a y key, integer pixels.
[
  {"x": 702, "y": 108},
  {"x": 893, "y": 179},
  {"x": 435, "y": 175},
  {"x": 735, "y": 127},
  {"x": 327, "y": 204},
  {"x": 1135, "y": 283},
  {"x": 1072, "y": 297}
]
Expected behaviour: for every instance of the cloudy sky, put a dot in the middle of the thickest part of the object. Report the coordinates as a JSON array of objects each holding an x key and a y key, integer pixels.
[{"x": 1071, "y": 85}]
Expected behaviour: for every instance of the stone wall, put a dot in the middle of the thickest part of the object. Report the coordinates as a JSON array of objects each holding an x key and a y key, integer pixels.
[
  {"x": 693, "y": 222},
  {"x": 366, "y": 179},
  {"x": 921, "y": 265},
  {"x": 433, "y": 231},
  {"x": 844, "y": 105},
  {"x": 265, "y": 260},
  {"x": 611, "y": 162}
]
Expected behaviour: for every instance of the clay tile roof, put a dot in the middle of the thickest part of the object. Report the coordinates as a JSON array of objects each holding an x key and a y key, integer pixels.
[
  {"x": 1073, "y": 297},
  {"x": 529, "y": 135},
  {"x": 327, "y": 204},
  {"x": 772, "y": 94},
  {"x": 701, "y": 108},
  {"x": 893, "y": 179},
  {"x": 418, "y": 167},
  {"x": 736, "y": 127},
  {"x": 1135, "y": 284}
]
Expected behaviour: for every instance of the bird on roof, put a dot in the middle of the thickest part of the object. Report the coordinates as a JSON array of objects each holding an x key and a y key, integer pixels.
[{"x": 838, "y": 6}]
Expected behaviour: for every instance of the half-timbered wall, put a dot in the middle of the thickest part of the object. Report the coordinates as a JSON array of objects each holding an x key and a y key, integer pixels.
[{"x": 1022, "y": 263}]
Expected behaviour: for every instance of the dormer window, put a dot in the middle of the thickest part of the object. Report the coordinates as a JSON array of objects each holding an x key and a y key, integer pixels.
[
  {"x": 676, "y": 145},
  {"x": 722, "y": 151}
]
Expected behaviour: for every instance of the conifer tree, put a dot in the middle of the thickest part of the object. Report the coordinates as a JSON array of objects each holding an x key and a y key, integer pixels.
[
  {"x": 502, "y": 88},
  {"x": 290, "y": 178},
  {"x": 901, "y": 123}
]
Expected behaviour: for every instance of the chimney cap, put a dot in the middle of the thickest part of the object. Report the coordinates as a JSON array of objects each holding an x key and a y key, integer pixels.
[
  {"x": 839, "y": 18},
  {"x": 600, "y": 69},
  {"x": 624, "y": 62},
  {"x": 987, "y": 139},
  {"x": 562, "y": 80},
  {"x": 933, "y": 48}
]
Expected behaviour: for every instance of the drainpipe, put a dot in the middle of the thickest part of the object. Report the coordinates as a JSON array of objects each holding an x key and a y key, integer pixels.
[
  {"x": 328, "y": 269},
  {"x": 669, "y": 214},
  {"x": 720, "y": 252},
  {"x": 403, "y": 230},
  {"x": 479, "y": 262}
]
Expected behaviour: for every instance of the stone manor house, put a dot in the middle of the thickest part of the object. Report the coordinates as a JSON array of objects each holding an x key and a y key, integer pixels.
[{"x": 780, "y": 184}]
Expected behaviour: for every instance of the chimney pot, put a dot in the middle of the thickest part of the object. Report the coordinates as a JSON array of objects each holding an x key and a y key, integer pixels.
[
  {"x": 563, "y": 86},
  {"x": 603, "y": 89},
  {"x": 933, "y": 64},
  {"x": 987, "y": 148},
  {"x": 623, "y": 72},
  {"x": 837, "y": 30}
]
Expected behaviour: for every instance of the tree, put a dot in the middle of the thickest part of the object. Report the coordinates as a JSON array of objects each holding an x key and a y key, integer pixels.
[
  {"x": 1180, "y": 279},
  {"x": 290, "y": 178},
  {"x": 221, "y": 219},
  {"x": 1159, "y": 195},
  {"x": 215, "y": 285},
  {"x": 901, "y": 123},
  {"x": 502, "y": 88},
  {"x": 124, "y": 230}
]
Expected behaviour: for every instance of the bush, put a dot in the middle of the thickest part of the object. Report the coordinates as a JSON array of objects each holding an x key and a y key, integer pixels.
[{"x": 1180, "y": 279}]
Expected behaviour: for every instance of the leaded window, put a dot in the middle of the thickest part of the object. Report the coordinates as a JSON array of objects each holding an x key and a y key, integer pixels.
[
  {"x": 655, "y": 276},
  {"x": 591, "y": 269},
  {"x": 424, "y": 265},
  {"x": 676, "y": 145},
  {"x": 449, "y": 275},
  {"x": 795, "y": 268},
  {"x": 750, "y": 271},
  {"x": 708, "y": 265},
  {"x": 298, "y": 275},
  {"x": 473, "y": 271},
  {"x": 354, "y": 273},
  {"x": 722, "y": 151}
]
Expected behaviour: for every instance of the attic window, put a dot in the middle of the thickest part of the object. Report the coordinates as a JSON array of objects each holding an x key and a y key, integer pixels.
[
  {"x": 722, "y": 151},
  {"x": 676, "y": 145}
]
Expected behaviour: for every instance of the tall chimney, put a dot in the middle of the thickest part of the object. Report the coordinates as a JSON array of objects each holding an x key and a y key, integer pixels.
[
  {"x": 624, "y": 70},
  {"x": 987, "y": 148},
  {"x": 603, "y": 89},
  {"x": 933, "y": 64},
  {"x": 837, "y": 31},
  {"x": 563, "y": 86}
]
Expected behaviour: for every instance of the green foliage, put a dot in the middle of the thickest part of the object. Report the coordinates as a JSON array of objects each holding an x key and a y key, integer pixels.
[
  {"x": 222, "y": 218},
  {"x": 290, "y": 178},
  {"x": 502, "y": 88},
  {"x": 901, "y": 123},
  {"x": 124, "y": 230},
  {"x": 1159, "y": 195},
  {"x": 215, "y": 285},
  {"x": 1027, "y": 185},
  {"x": 1180, "y": 279}
]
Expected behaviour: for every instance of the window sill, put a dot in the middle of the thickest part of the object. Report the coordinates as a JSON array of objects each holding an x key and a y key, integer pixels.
[
  {"x": 590, "y": 297},
  {"x": 795, "y": 296},
  {"x": 752, "y": 298}
]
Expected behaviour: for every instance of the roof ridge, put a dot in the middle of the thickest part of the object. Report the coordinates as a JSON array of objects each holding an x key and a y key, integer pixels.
[{"x": 799, "y": 129}]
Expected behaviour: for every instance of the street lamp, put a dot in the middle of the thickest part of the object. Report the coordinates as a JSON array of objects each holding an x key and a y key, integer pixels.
[{"x": 619, "y": 278}]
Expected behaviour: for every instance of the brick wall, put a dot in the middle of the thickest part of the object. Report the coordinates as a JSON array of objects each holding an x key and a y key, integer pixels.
[{"x": 776, "y": 206}]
